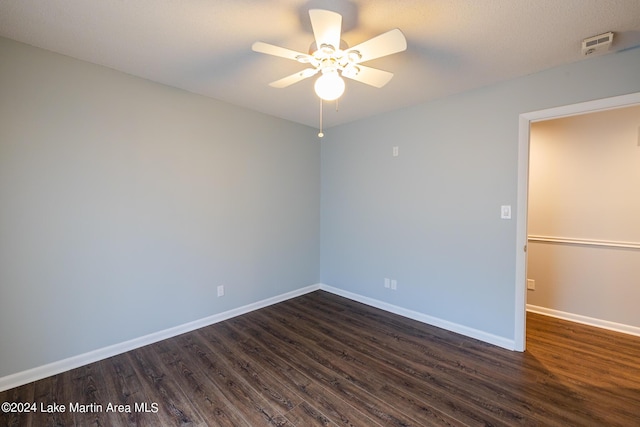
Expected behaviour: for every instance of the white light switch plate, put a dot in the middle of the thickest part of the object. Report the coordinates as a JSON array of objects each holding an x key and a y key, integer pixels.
[{"x": 505, "y": 211}]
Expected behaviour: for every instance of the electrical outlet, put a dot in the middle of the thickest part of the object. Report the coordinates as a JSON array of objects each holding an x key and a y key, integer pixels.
[
  {"x": 394, "y": 284},
  {"x": 531, "y": 284},
  {"x": 387, "y": 282},
  {"x": 221, "y": 291}
]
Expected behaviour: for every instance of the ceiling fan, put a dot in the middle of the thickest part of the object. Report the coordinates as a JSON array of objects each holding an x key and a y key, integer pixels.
[{"x": 333, "y": 59}]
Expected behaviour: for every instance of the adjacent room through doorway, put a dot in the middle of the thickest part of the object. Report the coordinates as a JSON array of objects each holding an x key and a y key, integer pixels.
[
  {"x": 578, "y": 238},
  {"x": 583, "y": 229}
]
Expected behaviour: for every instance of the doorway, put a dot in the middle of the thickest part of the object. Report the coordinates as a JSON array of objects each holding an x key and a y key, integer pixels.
[{"x": 525, "y": 121}]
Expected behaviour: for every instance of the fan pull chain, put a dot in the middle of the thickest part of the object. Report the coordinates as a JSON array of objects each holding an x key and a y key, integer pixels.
[{"x": 320, "y": 134}]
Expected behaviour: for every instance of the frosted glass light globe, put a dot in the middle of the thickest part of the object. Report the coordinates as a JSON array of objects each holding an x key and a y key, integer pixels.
[{"x": 329, "y": 86}]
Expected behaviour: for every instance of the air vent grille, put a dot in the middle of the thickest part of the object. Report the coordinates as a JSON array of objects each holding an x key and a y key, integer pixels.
[{"x": 597, "y": 44}]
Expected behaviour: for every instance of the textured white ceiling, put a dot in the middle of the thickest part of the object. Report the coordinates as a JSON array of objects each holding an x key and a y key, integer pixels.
[{"x": 204, "y": 46}]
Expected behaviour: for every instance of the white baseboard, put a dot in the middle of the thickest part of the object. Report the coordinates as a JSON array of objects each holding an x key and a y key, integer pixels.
[
  {"x": 44, "y": 371},
  {"x": 598, "y": 323},
  {"x": 499, "y": 341},
  {"x": 40, "y": 372}
]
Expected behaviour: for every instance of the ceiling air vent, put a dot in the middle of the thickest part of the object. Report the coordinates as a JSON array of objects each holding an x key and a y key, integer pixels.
[{"x": 597, "y": 44}]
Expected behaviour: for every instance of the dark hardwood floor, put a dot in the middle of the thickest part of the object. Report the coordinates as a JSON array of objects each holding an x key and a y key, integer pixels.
[{"x": 322, "y": 360}]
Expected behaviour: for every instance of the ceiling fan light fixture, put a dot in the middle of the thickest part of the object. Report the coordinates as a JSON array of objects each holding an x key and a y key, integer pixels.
[
  {"x": 329, "y": 86},
  {"x": 332, "y": 57}
]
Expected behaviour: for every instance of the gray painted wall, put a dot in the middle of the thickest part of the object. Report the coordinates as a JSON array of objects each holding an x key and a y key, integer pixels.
[
  {"x": 124, "y": 203},
  {"x": 430, "y": 218}
]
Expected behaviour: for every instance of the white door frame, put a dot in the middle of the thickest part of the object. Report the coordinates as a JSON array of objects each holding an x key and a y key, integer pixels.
[{"x": 523, "y": 189}]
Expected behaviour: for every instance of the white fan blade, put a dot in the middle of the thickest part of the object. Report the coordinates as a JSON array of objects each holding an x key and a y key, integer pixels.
[
  {"x": 294, "y": 78},
  {"x": 370, "y": 76},
  {"x": 326, "y": 26},
  {"x": 385, "y": 44},
  {"x": 270, "y": 49}
]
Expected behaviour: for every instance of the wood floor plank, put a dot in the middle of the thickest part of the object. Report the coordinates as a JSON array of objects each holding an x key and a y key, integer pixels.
[
  {"x": 411, "y": 384},
  {"x": 174, "y": 407},
  {"x": 305, "y": 415},
  {"x": 25, "y": 396},
  {"x": 312, "y": 392},
  {"x": 277, "y": 394},
  {"x": 51, "y": 391},
  {"x": 123, "y": 387},
  {"x": 214, "y": 408},
  {"x": 391, "y": 380},
  {"x": 256, "y": 410},
  {"x": 323, "y": 375},
  {"x": 330, "y": 372},
  {"x": 420, "y": 359},
  {"x": 550, "y": 396},
  {"x": 90, "y": 401},
  {"x": 323, "y": 360}
]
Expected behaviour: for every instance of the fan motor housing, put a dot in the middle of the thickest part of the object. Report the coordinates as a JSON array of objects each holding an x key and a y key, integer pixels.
[{"x": 313, "y": 47}]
